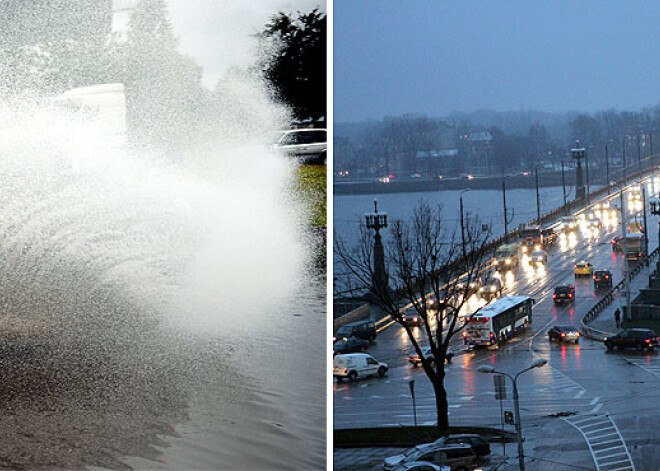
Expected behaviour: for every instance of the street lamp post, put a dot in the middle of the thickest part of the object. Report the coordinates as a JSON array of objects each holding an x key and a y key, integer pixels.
[
  {"x": 378, "y": 221},
  {"x": 460, "y": 197},
  {"x": 654, "y": 202},
  {"x": 538, "y": 198},
  {"x": 514, "y": 379},
  {"x": 624, "y": 225},
  {"x": 607, "y": 166}
]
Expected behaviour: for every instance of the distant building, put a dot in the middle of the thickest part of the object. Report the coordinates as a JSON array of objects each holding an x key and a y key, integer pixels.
[{"x": 477, "y": 150}]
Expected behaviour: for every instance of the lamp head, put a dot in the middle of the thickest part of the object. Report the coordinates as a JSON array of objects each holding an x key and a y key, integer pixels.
[
  {"x": 486, "y": 369},
  {"x": 539, "y": 363}
]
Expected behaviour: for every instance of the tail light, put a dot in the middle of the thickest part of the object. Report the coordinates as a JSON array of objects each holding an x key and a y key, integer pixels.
[
  {"x": 577, "y": 334},
  {"x": 570, "y": 295},
  {"x": 464, "y": 334},
  {"x": 554, "y": 296},
  {"x": 647, "y": 340},
  {"x": 492, "y": 335},
  {"x": 563, "y": 334},
  {"x": 594, "y": 277},
  {"x": 345, "y": 370},
  {"x": 607, "y": 276}
]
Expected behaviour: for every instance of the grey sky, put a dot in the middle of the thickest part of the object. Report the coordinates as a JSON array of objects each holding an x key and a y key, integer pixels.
[
  {"x": 435, "y": 57},
  {"x": 217, "y": 33}
]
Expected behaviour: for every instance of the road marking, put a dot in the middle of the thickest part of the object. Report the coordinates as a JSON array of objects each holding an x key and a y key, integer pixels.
[
  {"x": 609, "y": 459},
  {"x": 596, "y": 409},
  {"x": 580, "y": 394},
  {"x": 595, "y": 401}
]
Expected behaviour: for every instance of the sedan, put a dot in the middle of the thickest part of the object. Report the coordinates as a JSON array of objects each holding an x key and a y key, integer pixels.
[
  {"x": 413, "y": 319},
  {"x": 583, "y": 268},
  {"x": 538, "y": 256},
  {"x": 414, "y": 360},
  {"x": 350, "y": 345},
  {"x": 564, "y": 333}
]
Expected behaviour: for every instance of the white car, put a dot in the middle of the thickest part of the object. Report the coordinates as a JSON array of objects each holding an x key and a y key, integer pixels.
[
  {"x": 355, "y": 366},
  {"x": 308, "y": 146},
  {"x": 421, "y": 466},
  {"x": 568, "y": 224},
  {"x": 457, "y": 456},
  {"x": 538, "y": 256}
]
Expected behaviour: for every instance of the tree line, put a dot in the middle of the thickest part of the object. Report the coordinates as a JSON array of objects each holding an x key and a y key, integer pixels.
[{"x": 371, "y": 147}]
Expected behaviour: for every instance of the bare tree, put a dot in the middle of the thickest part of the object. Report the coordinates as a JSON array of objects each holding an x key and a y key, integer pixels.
[{"x": 429, "y": 275}]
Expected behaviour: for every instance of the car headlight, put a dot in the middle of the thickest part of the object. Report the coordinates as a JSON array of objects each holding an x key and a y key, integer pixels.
[
  {"x": 508, "y": 261},
  {"x": 492, "y": 289}
]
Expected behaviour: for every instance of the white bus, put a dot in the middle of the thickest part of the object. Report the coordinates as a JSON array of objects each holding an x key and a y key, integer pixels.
[{"x": 496, "y": 322}]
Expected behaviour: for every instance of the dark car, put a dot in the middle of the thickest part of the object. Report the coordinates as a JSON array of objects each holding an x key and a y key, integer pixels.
[
  {"x": 414, "y": 360},
  {"x": 564, "y": 293},
  {"x": 490, "y": 288},
  {"x": 350, "y": 345},
  {"x": 602, "y": 279},
  {"x": 363, "y": 329},
  {"x": 617, "y": 244},
  {"x": 478, "y": 443},
  {"x": 641, "y": 339},
  {"x": 564, "y": 333},
  {"x": 413, "y": 319}
]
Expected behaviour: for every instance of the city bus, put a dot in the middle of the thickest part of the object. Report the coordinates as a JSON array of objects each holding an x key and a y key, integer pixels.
[{"x": 496, "y": 322}]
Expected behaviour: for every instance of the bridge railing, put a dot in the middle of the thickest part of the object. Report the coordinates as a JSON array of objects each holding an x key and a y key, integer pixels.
[{"x": 608, "y": 299}]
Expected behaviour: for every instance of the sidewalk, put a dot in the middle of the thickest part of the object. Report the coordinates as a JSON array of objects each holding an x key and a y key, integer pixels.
[{"x": 605, "y": 321}]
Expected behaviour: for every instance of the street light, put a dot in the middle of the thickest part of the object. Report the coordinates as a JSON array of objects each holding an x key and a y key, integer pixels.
[
  {"x": 624, "y": 224},
  {"x": 460, "y": 197},
  {"x": 654, "y": 203},
  {"x": 490, "y": 370}
]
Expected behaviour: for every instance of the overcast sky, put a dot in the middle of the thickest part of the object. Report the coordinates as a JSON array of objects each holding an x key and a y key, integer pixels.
[
  {"x": 217, "y": 33},
  {"x": 435, "y": 57}
]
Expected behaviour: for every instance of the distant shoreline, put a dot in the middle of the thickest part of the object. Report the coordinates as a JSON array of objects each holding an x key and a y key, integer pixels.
[{"x": 409, "y": 185}]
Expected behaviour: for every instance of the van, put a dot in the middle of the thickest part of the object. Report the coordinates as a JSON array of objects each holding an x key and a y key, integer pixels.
[
  {"x": 365, "y": 330},
  {"x": 357, "y": 365}
]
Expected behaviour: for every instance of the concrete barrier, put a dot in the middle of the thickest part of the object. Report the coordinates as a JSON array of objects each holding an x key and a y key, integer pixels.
[{"x": 355, "y": 315}]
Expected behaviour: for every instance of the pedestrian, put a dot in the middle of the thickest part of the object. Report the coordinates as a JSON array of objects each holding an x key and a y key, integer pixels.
[{"x": 617, "y": 318}]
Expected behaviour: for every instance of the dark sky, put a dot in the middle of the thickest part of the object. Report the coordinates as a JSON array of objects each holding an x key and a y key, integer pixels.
[{"x": 435, "y": 57}]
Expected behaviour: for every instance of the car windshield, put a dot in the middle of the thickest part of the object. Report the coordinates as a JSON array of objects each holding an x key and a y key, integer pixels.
[{"x": 275, "y": 137}]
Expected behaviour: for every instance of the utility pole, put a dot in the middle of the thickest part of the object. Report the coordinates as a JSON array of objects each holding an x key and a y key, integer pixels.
[
  {"x": 625, "y": 165},
  {"x": 626, "y": 281},
  {"x": 607, "y": 167},
  {"x": 506, "y": 211},
  {"x": 460, "y": 197},
  {"x": 563, "y": 184},
  {"x": 646, "y": 229},
  {"x": 538, "y": 198},
  {"x": 639, "y": 154}
]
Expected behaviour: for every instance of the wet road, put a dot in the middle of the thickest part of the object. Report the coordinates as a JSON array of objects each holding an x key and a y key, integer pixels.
[{"x": 578, "y": 378}]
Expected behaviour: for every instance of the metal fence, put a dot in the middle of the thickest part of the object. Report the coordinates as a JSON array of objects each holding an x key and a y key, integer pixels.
[{"x": 608, "y": 298}]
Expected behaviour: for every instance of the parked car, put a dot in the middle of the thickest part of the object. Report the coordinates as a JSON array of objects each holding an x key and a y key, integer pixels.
[
  {"x": 362, "y": 329},
  {"x": 457, "y": 456},
  {"x": 309, "y": 146},
  {"x": 350, "y": 345},
  {"x": 355, "y": 366},
  {"x": 478, "y": 443},
  {"x": 583, "y": 268},
  {"x": 641, "y": 339},
  {"x": 564, "y": 293},
  {"x": 564, "y": 333},
  {"x": 414, "y": 360},
  {"x": 421, "y": 466},
  {"x": 602, "y": 279}
]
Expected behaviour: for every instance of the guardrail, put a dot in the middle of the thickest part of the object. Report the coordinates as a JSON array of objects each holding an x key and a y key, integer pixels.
[{"x": 608, "y": 298}]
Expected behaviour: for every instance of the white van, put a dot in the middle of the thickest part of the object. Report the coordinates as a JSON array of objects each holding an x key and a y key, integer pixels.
[{"x": 357, "y": 365}]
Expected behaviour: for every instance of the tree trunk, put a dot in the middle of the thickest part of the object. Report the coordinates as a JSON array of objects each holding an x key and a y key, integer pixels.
[{"x": 442, "y": 408}]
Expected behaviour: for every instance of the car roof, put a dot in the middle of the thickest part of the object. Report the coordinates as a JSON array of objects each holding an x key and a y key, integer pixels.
[{"x": 565, "y": 327}]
